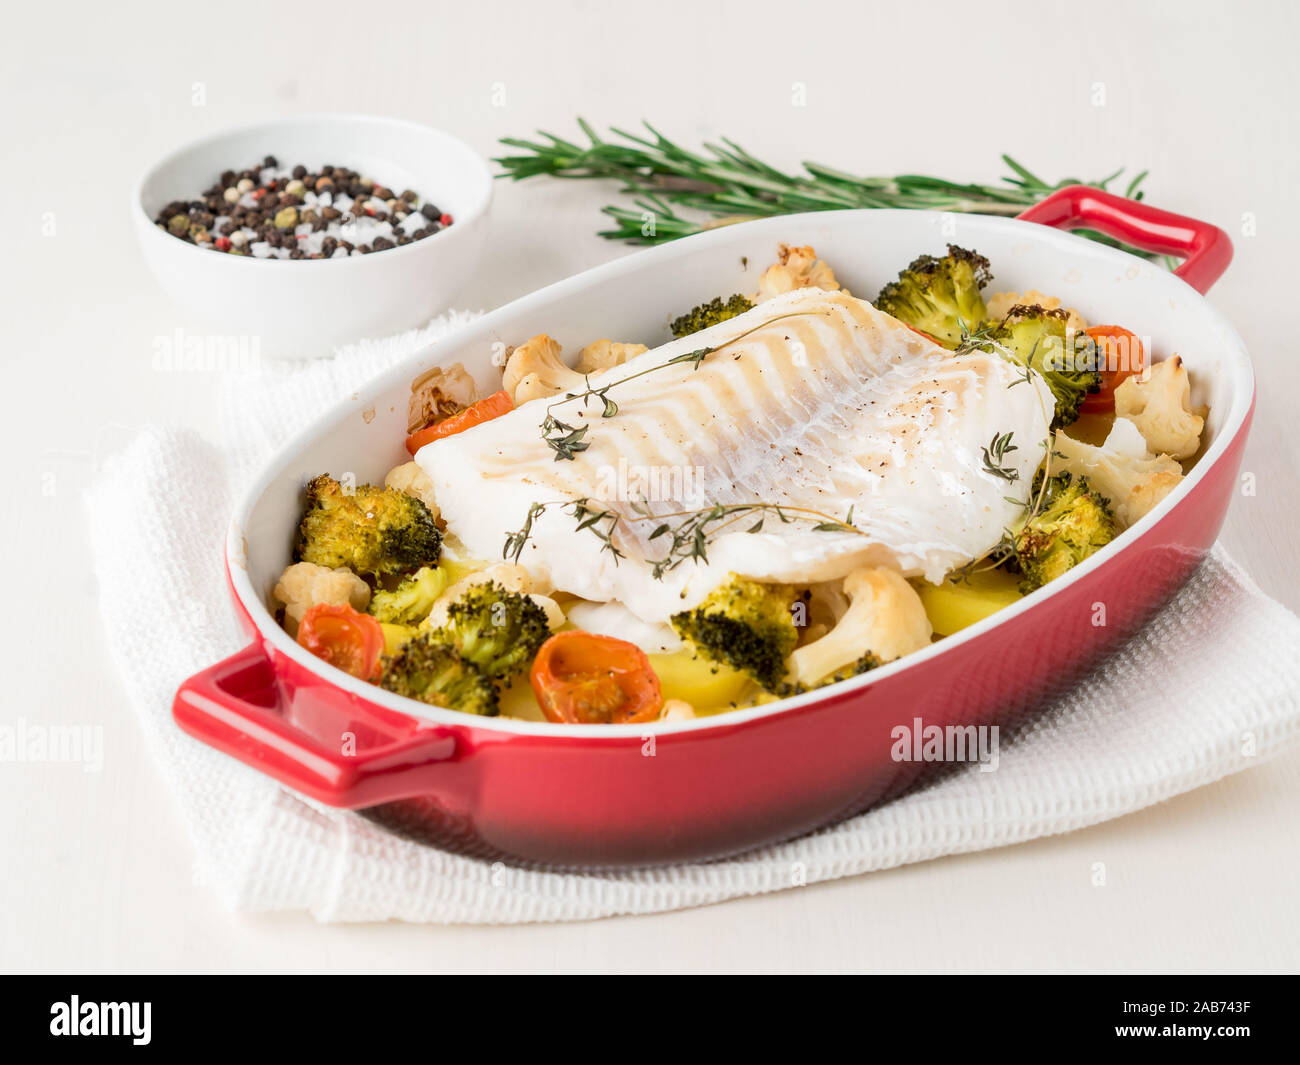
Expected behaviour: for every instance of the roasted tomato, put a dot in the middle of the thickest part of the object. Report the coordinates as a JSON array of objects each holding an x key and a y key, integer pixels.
[
  {"x": 585, "y": 679},
  {"x": 344, "y": 638}
]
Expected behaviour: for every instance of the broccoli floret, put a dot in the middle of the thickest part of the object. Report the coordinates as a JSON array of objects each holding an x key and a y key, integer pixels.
[
  {"x": 711, "y": 313},
  {"x": 497, "y": 630},
  {"x": 433, "y": 672},
  {"x": 1036, "y": 337},
  {"x": 371, "y": 530},
  {"x": 746, "y": 625},
  {"x": 940, "y": 297},
  {"x": 1074, "y": 523},
  {"x": 410, "y": 601}
]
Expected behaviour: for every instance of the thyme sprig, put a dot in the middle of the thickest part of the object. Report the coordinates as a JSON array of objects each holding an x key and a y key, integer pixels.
[
  {"x": 600, "y": 523},
  {"x": 1005, "y": 548},
  {"x": 729, "y": 184},
  {"x": 995, "y": 454},
  {"x": 688, "y": 538},
  {"x": 568, "y": 440}
]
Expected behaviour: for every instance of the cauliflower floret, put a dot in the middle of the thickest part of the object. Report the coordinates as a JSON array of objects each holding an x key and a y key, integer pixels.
[
  {"x": 796, "y": 268},
  {"x": 553, "y": 611},
  {"x": 827, "y": 603},
  {"x": 1002, "y": 302},
  {"x": 1122, "y": 469},
  {"x": 534, "y": 371},
  {"x": 439, "y": 393},
  {"x": 885, "y": 617},
  {"x": 305, "y": 585},
  {"x": 412, "y": 480},
  {"x": 605, "y": 354},
  {"x": 1158, "y": 403}
]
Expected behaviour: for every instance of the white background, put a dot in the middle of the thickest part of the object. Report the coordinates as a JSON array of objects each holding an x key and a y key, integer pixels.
[{"x": 95, "y": 868}]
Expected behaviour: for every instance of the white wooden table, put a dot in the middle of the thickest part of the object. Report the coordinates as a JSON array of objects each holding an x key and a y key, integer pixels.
[{"x": 96, "y": 866}]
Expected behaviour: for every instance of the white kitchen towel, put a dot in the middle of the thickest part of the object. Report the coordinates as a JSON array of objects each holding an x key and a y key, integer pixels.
[{"x": 1211, "y": 686}]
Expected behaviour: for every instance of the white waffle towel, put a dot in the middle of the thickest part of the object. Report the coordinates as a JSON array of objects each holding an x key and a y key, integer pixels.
[{"x": 1224, "y": 696}]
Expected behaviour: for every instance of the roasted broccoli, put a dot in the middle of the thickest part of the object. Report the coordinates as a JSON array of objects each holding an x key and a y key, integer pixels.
[
  {"x": 433, "y": 672},
  {"x": 411, "y": 601},
  {"x": 370, "y": 529},
  {"x": 746, "y": 625},
  {"x": 711, "y": 313},
  {"x": 940, "y": 297},
  {"x": 1036, "y": 337},
  {"x": 1073, "y": 523},
  {"x": 499, "y": 631}
]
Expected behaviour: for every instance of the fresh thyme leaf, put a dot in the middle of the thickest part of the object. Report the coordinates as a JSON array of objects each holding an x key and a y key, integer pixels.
[
  {"x": 698, "y": 544},
  {"x": 994, "y": 454},
  {"x": 515, "y": 541},
  {"x": 697, "y": 356}
]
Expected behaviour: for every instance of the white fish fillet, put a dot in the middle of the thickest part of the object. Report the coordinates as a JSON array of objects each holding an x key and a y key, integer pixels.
[{"x": 833, "y": 406}]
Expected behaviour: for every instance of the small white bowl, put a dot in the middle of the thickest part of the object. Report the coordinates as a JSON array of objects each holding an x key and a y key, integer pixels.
[{"x": 303, "y": 307}]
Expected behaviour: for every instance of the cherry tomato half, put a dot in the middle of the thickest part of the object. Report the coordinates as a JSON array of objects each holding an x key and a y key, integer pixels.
[
  {"x": 344, "y": 638},
  {"x": 1121, "y": 356},
  {"x": 484, "y": 410},
  {"x": 586, "y": 679}
]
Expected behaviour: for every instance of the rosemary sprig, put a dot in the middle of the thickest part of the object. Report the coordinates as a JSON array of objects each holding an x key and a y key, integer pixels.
[
  {"x": 567, "y": 440},
  {"x": 729, "y": 184}
]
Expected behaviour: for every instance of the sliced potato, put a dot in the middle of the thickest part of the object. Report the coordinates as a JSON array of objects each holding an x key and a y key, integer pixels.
[
  {"x": 519, "y": 701},
  {"x": 953, "y": 606},
  {"x": 396, "y": 636},
  {"x": 706, "y": 685}
]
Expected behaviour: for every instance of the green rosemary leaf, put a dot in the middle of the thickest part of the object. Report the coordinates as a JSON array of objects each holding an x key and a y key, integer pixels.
[{"x": 730, "y": 184}]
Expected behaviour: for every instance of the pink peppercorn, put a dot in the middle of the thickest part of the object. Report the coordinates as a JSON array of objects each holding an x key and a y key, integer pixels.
[{"x": 445, "y": 220}]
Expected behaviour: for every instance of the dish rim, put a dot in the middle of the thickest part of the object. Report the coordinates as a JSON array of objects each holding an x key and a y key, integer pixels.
[
  {"x": 483, "y": 181},
  {"x": 1237, "y": 364}
]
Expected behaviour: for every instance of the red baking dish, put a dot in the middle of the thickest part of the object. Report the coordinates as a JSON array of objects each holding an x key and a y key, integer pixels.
[{"x": 644, "y": 794}]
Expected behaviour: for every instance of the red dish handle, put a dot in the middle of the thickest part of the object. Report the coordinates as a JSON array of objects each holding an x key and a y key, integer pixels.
[
  {"x": 235, "y": 706},
  {"x": 1206, "y": 249}
]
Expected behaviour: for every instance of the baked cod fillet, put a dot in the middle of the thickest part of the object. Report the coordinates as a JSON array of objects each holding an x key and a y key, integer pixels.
[{"x": 824, "y": 404}]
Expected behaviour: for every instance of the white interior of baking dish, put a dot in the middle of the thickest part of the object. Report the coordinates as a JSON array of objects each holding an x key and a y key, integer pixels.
[{"x": 633, "y": 299}]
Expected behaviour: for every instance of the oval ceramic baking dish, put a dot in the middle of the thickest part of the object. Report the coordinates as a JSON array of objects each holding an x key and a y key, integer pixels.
[{"x": 645, "y": 794}]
